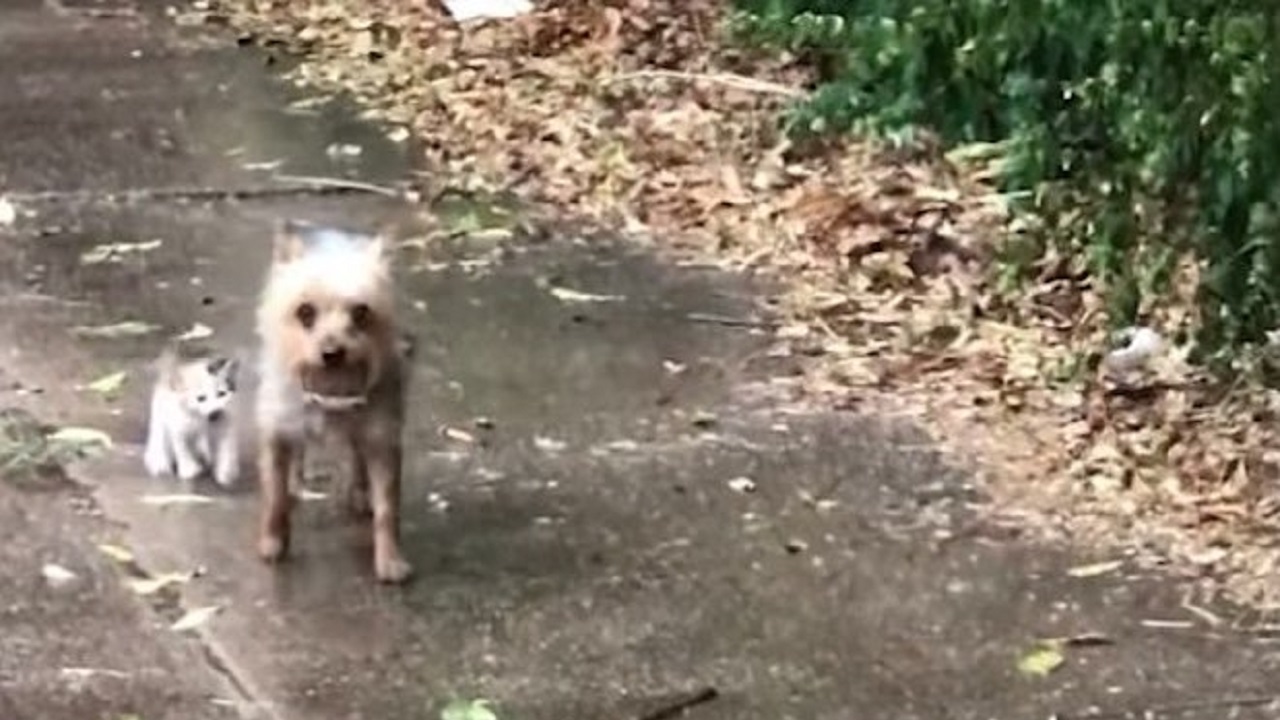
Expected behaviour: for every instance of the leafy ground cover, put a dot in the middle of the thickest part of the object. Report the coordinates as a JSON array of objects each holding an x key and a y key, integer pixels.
[{"x": 642, "y": 116}]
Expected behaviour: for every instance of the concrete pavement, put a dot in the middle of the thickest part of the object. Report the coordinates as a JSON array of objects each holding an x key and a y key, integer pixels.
[{"x": 596, "y": 550}]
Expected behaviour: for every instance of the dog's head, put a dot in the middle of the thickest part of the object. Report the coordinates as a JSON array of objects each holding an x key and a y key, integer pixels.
[{"x": 328, "y": 309}]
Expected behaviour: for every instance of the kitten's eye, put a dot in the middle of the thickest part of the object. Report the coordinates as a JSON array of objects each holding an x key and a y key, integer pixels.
[
  {"x": 361, "y": 315},
  {"x": 201, "y": 398},
  {"x": 306, "y": 315}
]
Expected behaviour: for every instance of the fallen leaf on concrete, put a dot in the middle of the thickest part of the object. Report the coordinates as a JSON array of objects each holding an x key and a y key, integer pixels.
[
  {"x": 115, "y": 252},
  {"x": 176, "y": 499},
  {"x": 463, "y": 10},
  {"x": 566, "y": 295},
  {"x": 704, "y": 420},
  {"x": 549, "y": 445},
  {"x": 1095, "y": 569},
  {"x": 468, "y": 710},
  {"x": 742, "y": 484},
  {"x": 84, "y": 673},
  {"x": 108, "y": 385},
  {"x": 8, "y": 213},
  {"x": 457, "y": 434},
  {"x": 311, "y": 495},
  {"x": 153, "y": 585},
  {"x": 129, "y": 328},
  {"x": 81, "y": 437},
  {"x": 343, "y": 150},
  {"x": 1042, "y": 659},
  {"x": 117, "y": 553},
  {"x": 195, "y": 618},
  {"x": 56, "y": 574},
  {"x": 197, "y": 331}
]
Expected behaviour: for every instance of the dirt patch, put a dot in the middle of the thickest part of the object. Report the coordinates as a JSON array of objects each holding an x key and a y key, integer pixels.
[{"x": 638, "y": 115}]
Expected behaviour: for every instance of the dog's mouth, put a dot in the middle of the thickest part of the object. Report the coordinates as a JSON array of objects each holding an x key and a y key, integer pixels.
[{"x": 336, "y": 388}]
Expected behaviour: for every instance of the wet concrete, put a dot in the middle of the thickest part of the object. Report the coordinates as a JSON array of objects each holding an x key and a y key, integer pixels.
[{"x": 588, "y": 556}]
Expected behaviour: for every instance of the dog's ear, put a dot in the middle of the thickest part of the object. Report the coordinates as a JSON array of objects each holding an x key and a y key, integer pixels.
[
  {"x": 378, "y": 246},
  {"x": 290, "y": 240}
]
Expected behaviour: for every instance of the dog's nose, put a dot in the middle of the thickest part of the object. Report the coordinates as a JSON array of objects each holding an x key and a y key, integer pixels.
[
  {"x": 333, "y": 357},
  {"x": 215, "y": 416}
]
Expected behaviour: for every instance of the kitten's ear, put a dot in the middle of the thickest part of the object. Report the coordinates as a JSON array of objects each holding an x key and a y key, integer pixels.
[{"x": 223, "y": 366}]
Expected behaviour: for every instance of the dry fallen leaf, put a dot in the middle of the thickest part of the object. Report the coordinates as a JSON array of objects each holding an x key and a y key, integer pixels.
[
  {"x": 153, "y": 585},
  {"x": 127, "y": 329},
  {"x": 197, "y": 331},
  {"x": 176, "y": 499},
  {"x": 8, "y": 213},
  {"x": 742, "y": 484},
  {"x": 195, "y": 618},
  {"x": 566, "y": 295},
  {"x": 1095, "y": 569},
  {"x": 117, "y": 553},
  {"x": 57, "y": 575}
]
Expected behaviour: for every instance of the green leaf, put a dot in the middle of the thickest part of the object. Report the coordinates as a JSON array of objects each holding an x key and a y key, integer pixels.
[
  {"x": 81, "y": 437},
  {"x": 1041, "y": 660},
  {"x": 468, "y": 710},
  {"x": 108, "y": 385}
]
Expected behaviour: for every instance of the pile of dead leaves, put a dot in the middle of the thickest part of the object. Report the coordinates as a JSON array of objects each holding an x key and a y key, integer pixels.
[{"x": 640, "y": 115}]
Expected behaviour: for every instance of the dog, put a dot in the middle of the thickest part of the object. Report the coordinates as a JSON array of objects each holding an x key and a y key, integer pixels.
[
  {"x": 192, "y": 428},
  {"x": 331, "y": 363}
]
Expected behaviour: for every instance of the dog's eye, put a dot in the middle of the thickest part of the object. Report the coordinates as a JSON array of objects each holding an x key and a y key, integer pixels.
[
  {"x": 361, "y": 315},
  {"x": 200, "y": 398},
  {"x": 306, "y": 315}
]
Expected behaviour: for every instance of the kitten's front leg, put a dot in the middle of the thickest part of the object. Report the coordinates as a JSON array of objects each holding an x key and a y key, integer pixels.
[
  {"x": 226, "y": 471},
  {"x": 188, "y": 462},
  {"x": 158, "y": 456}
]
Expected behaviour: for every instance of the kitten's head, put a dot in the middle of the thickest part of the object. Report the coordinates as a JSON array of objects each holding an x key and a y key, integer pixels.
[{"x": 206, "y": 386}]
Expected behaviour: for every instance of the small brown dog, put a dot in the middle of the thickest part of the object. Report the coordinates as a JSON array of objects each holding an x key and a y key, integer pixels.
[{"x": 331, "y": 361}]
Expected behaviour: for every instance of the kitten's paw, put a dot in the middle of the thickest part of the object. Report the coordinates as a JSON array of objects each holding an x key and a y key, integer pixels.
[
  {"x": 158, "y": 463},
  {"x": 226, "y": 475},
  {"x": 189, "y": 471}
]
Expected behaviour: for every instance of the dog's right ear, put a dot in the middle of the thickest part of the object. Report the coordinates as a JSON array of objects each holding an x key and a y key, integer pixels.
[{"x": 289, "y": 242}]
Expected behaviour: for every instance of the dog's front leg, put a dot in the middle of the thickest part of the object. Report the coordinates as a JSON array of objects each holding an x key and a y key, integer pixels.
[
  {"x": 382, "y": 465},
  {"x": 277, "y": 456}
]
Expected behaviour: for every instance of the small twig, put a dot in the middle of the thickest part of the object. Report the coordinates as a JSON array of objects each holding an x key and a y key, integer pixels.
[
  {"x": 727, "y": 321},
  {"x": 739, "y": 82},
  {"x": 339, "y": 183},
  {"x": 303, "y": 186},
  {"x": 1154, "y": 710},
  {"x": 680, "y": 706}
]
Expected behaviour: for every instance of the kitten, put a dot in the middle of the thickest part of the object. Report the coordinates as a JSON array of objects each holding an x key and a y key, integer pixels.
[{"x": 192, "y": 428}]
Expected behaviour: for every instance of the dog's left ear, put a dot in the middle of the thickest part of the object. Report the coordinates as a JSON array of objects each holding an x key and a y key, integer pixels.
[
  {"x": 288, "y": 243},
  {"x": 378, "y": 246}
]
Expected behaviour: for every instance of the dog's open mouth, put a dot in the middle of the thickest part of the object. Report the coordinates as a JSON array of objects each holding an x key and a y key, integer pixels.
[{"x": 335, "y": 388}]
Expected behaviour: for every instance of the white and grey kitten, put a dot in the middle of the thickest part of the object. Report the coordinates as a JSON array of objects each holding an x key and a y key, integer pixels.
[{"x": 192, "y": 429}]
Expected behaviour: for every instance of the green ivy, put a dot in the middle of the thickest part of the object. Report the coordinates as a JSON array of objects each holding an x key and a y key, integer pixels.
[{"x": 1139, "y": 131}]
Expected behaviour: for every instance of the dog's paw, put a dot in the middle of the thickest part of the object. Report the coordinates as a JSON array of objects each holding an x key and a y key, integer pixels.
[
  {"x": 272, "y": 548},
  {"x": 392, "y": 569}
]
